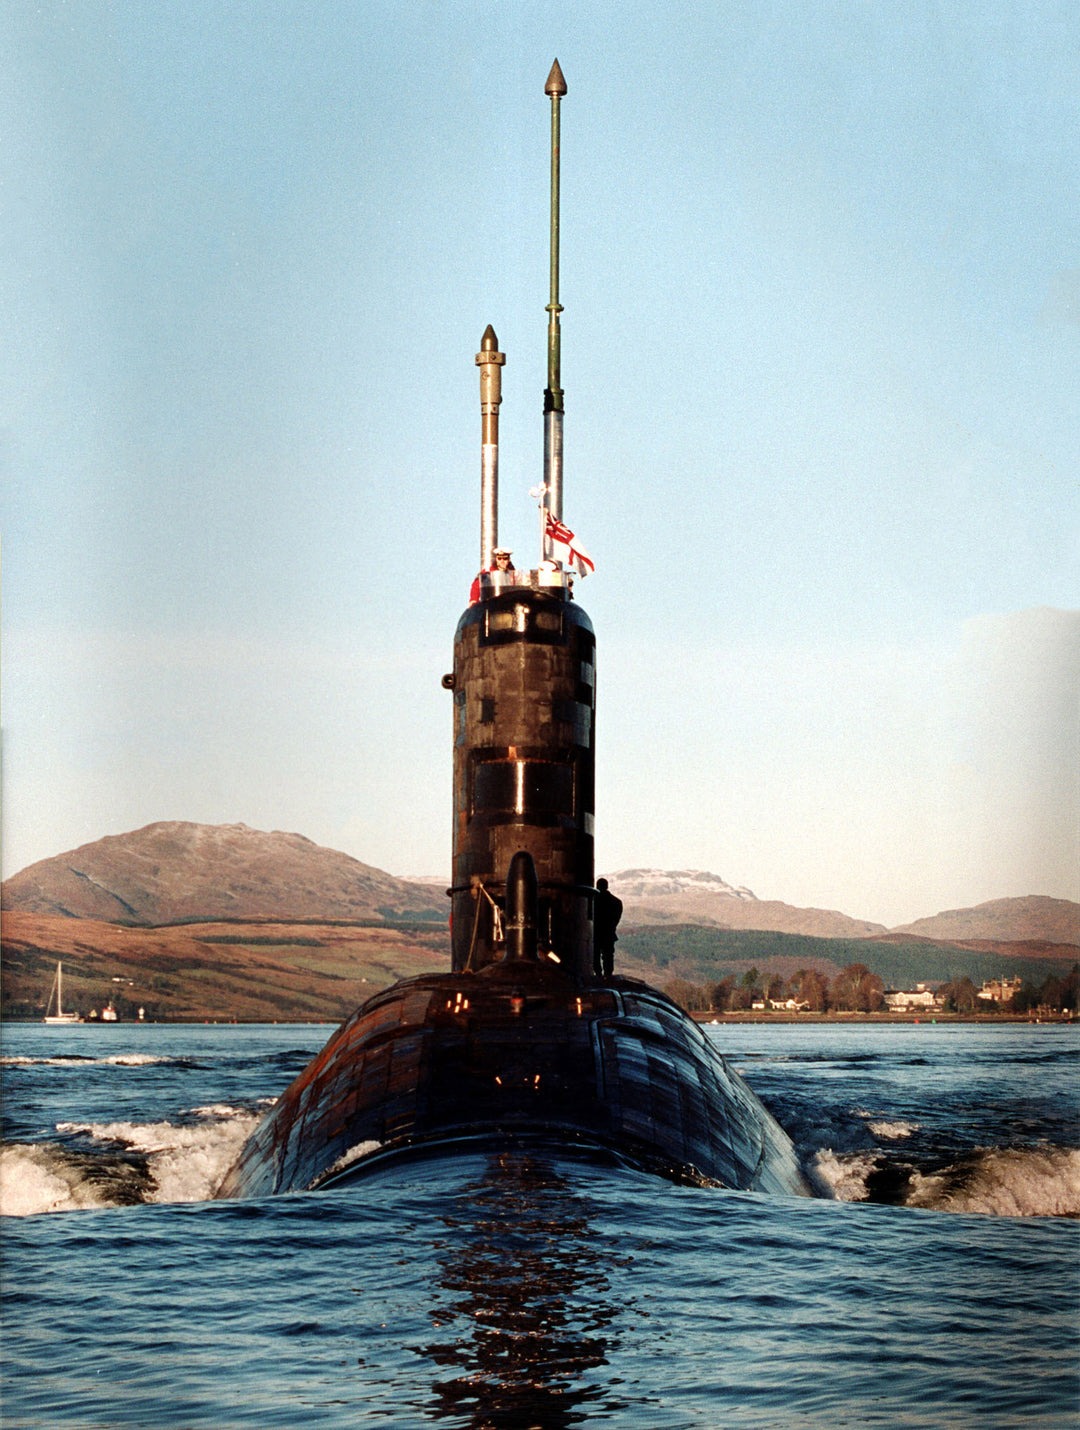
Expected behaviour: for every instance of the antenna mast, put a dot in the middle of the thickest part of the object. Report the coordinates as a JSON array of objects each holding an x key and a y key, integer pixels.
[{"x": 555, "y": 88}]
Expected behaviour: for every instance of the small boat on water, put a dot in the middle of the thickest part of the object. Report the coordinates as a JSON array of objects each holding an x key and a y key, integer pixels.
[{"x": 57, "y": 992}]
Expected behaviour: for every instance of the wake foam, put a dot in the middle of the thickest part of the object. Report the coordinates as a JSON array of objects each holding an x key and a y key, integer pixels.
[
  {"x": 892, "y": 1131},
  {"x": 354, "y": 1154},
  {"x": 1004, "y": 1181},
  {"x": 44, "y": 1177},
  {"x": 842, "y": 1178},
  {"x": 132, "y": 1163},
  {"x": 73, "y": 1060},
  {"x": 991, "y": 1181}
]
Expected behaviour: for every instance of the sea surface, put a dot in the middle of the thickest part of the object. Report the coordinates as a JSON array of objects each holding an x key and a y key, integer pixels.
[{"x": 932, "y": 1283}]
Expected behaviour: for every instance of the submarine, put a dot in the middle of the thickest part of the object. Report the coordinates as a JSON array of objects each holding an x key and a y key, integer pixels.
[{"x": 522, "y": 1045}]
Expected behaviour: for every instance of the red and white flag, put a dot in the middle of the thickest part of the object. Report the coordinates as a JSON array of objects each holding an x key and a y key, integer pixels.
[{"x": 565, "y": 546}]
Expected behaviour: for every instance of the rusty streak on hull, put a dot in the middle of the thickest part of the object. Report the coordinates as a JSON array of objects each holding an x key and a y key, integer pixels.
[{"x": 518, "y": 1055}]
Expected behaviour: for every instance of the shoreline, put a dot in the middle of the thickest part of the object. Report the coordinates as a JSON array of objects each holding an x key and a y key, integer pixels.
[
  {"x": 718, "y": 1019},
  {"x": 706, "y": 1019}
]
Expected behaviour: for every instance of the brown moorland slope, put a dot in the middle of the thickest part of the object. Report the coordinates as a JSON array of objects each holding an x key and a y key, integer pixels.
[
  {"x": 769, "y": 915},
  {"x": 265, "y": 971},
  {"x": 1030, "y": 948},
  {"x": 1034, "y": 918},
  {"x": 177, "y": 872}
]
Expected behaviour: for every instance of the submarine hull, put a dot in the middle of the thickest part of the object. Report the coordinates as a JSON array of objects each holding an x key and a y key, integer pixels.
[{"x": 518, "y": 1054}]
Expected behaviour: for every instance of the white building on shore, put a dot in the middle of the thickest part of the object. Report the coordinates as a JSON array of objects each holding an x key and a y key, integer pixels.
[{"x": 921, "y": 998}]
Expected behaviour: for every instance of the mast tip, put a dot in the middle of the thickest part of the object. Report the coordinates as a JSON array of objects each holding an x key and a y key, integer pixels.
[
  {"x": 556, "y": 85},
  {"x": 489, "y": 342}
]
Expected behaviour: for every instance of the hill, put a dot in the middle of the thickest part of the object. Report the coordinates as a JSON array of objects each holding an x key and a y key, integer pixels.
[
  {"x": 175, "y": 872},
  {"x": 693, "y": 896},
  {"x": 717, "y": 911},
  {"x": 641, "y": 885},
  {"x": 275, "y": 970},
  {"x": 662, "y": 896},
  {"x": 1033, "y": 918}
]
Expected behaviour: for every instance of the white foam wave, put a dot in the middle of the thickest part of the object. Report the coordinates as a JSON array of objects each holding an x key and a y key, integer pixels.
[
  {"x": 354, "y": 1154},
  {"x": 41, "y": 1177},
  {"x": 842, "y": 1178},
  {"x": 992, "y": 1181},
  {"x": 186, "y": 1163},
  {"x": 893, "y": 1131},
  {"x": 118, "y": 1060},
  {"x": 182, "y": 1164},
  {"x": 1004, "y": 1181},
  {"x": 225, "y": 1109}
]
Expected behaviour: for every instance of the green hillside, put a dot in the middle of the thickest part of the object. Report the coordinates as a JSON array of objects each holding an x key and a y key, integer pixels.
[{"x": 703, "y": 955}]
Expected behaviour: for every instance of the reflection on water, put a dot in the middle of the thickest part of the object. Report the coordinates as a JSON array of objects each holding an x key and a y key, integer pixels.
[{"x": 529, "y": 1311}]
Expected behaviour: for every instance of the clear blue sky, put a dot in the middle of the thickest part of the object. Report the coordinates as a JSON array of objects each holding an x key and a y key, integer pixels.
[{"x": 821, "y": 351}]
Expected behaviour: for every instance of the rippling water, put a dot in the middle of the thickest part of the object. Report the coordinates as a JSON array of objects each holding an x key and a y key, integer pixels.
[{"x": 933, "y": 1284}]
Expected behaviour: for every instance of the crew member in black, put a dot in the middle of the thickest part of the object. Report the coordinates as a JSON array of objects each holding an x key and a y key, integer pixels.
[{"x": 607, "y": 911}]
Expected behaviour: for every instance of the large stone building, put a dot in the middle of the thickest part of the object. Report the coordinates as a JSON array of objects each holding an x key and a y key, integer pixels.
[{"x": 921, "y": 997}]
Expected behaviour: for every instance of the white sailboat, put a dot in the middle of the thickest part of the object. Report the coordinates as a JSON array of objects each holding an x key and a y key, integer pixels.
[{"x": 57, "y": 989}]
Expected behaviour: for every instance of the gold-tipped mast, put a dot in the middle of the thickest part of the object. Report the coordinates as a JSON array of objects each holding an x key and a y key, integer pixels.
[{"x": 490, "y": 363}]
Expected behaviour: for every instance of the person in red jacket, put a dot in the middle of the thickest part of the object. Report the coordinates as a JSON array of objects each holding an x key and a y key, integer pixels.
[{"x": 502, "y": 563}]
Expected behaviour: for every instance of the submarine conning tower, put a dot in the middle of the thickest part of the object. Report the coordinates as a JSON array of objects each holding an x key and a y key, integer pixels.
[
  {"x": 524, "y": 687},
  {"x": 524, "y": 684}
]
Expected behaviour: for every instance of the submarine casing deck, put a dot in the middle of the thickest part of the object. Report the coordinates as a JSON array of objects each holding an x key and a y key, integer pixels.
[{"x": 518, "y": 1054}]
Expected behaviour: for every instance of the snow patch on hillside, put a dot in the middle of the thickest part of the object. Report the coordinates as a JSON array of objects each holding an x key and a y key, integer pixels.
[{"x": 655, "y": 883}]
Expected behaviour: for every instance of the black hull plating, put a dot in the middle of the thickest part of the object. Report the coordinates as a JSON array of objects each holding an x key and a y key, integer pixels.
[{"x": 517, "y": 1055}]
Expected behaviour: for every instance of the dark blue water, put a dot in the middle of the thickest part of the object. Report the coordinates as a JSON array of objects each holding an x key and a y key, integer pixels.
[{"x": 518, "y": 1292}]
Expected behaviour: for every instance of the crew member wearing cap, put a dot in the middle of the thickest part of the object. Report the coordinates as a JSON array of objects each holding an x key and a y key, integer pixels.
[{"x": 502, "y": 563}]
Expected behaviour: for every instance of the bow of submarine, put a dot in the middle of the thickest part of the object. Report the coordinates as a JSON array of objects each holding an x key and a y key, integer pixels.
[{"x": 518, "y": 1055}]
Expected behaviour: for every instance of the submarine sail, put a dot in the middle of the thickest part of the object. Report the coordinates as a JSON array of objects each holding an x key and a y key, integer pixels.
[{"x": 521, "y": 1043}]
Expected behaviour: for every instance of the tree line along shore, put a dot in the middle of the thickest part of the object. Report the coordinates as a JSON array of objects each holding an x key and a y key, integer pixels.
[{"x": 809, "y": 994}]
